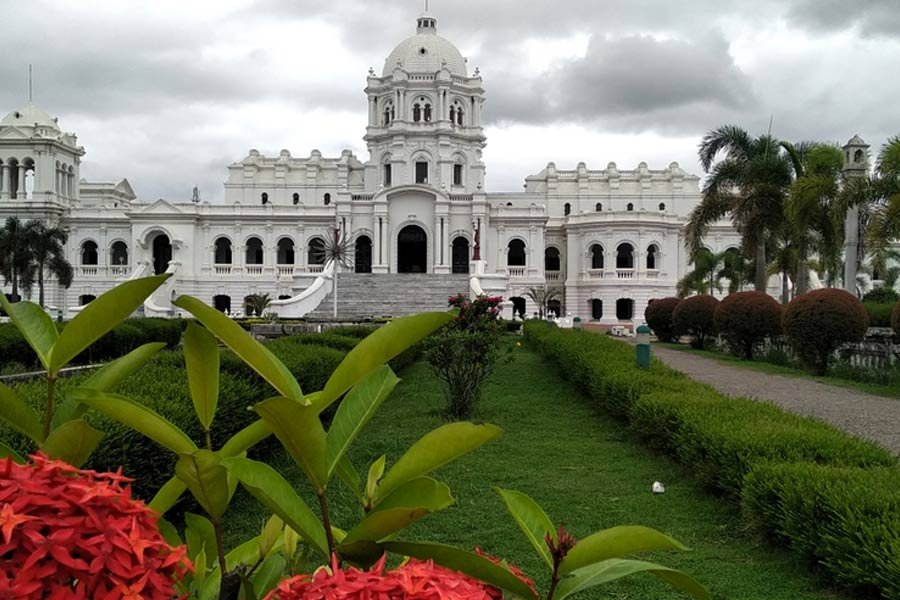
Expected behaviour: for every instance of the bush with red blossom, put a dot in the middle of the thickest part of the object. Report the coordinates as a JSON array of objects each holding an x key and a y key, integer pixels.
[
  {"x": 695, "y": 316},
  {"x": 413, "y": 580},
  {"x": 75, "y": 534}
]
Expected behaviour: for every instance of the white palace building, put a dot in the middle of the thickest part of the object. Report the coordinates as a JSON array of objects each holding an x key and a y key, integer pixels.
[{"x": 416, "y": 212}]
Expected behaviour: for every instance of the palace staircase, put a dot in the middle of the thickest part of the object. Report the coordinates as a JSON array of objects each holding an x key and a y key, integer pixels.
[{"x": 363, "y": 297}]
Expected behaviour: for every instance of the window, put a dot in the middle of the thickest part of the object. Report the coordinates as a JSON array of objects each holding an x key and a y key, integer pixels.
[
  {"x": 388, "y": 175},
  {"x": 459, "y": 116},
  {"x": 296, "y": 198},
  {"x": 567, "y": 209},
  {"x": 515, "y": 256},
  {"x": 417, "y": 113},
  {"x": 327, "y": 199},
  {"x": 421, "y": 172},
  {"x": 119, "y": 254},
  {"x": 285, "y": 251},
  {"x": 598, "y": 207},
  {"x": 457, "y": 174},
  {"x": 222, "y": 251},
  {"x": 453, "y": 114},
  {"x": 596, "y": 309},
  {"x": 630, "y": 207},
  {"x": 858, "y": 156},
  {"x": 596, "y": 256},
  {"x": 662, "y": 207},
  {"x": 265, "y": 198},
  {"x": 624, "y": 309},
  {"x": 254, "y": 255},
  {"x": 551, "y": 259},
  {"x": 89, "y": 254},
  {"x": 652, "y": 253},
  {"x": 427, "y": 113},
  {"x": 625, "y": 256},
  {"x": 316, "y": 253}
]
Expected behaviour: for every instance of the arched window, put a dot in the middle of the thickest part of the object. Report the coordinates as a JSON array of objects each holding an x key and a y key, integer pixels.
[
  {"x": 662, "y": 207},
  {"x": 630, "y": 207},
  {"x": 858, "y": 156},
  {"x": 315, "y": 255},
  {"x": 459, "y": 116},
  {"x": 86, "y": 299},
  {"x": 457, "y": 174},
  {"x": 285, "y": 251},
  {"x": 427, "y": 113},
  {"x": 551, "y": 259},
  {"x": 222, "y": 303},
  {"x": 89, "y": 254},
  {"x": 596, "y": 256},
  {"x": 519, "y": 306},
  {"x": 223, "y": 251},
  {"x": 118, "y": 255},
  {"x": 624, "y": 309},
  {"x": 652, "y": 257},
  {"x": 598, "y": 207},
  {"x": 388, "y": 116},
  {"x": 567, "y": 209},
  {"x": 362, "y": 254},
  {"x": 453, "y": 114},
  {"x": 388, "y": 174},
  {"x": 515, "y": 256},
  {"x": 596, "y": 309},
  {"x": 255, "y": 253},
  {"x": 421, "y": 171},
  {"x": 417, "y": 112},
  {"x": 327, "y": 199},
  {"x": 554, "y": 307},
  {"x": 460, "y": 257},
  {"x": 296, "y": 198},
  {"x": 265, "y": 198},
  {"x": 625, "y": 256}
]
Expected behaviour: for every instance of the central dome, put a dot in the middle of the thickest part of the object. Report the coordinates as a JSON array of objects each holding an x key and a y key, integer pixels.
[
  {"x": 426, "y": 53},
  {"x": 28, "y": 116}
]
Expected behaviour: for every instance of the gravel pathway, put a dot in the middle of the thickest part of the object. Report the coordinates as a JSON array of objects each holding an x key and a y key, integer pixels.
[{"x": 865, "y": 415}]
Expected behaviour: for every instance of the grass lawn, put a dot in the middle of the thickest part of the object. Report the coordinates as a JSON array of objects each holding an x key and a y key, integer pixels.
[
  {"x": 586, "y": 469},
  {"x": 890, "y": 391}
]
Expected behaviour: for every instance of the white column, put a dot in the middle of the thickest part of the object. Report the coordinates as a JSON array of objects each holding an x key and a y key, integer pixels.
[
  {"x": 851, "y": 249},
  {"x": 4, "y": 183},
  {"x": 20, "y": 192}
]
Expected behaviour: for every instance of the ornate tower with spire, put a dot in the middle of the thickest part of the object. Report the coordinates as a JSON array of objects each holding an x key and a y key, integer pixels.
[
  {"x": 425, "y": 117},
  {"x": 856, "y": 164}
]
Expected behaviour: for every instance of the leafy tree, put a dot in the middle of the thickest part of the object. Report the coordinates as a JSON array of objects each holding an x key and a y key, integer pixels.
[
  {"x": 47, "y": 255},
  {"x": 15, "y": 259},
  {"x": 883, "y": 190},
  {"x": 749, "y": 184},
  {"x": 257, "y": 304},
  {"x": 543, "y": 296}
]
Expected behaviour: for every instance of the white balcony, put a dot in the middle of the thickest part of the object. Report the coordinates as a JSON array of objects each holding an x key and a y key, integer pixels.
[
  {"x": 120, "y": 271},
  {"x": 624, "y": 274},
  {"x": 90, "y": 271},
  {"x": 285, "y": 270},
  {"x": 253, "y": 270},
  {"x": 553, "y": 276},
  {"x": 654, "y": 274},
  {"x": 222, "y": 269},
  {"x": 515, "y": 272},
  {"x": 595, "y": 274},
  {"x": 315, "y": 269}
]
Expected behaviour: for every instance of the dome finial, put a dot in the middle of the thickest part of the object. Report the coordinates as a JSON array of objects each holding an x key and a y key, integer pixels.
[{"x": 426, "y": 23}]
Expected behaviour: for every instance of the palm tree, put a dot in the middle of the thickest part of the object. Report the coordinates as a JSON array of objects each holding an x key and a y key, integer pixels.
[
  {"x": 749, "y": 183},
  {"x": 256, "y": 304},
  {"x": 338, "y": 250},
  {"x": 15, "y": 259},
  {"x": 883, "y": 190},
  {"x": 734, "y": 269},
  {"x": 706, "y": 275},
  {"x": 543, "y": 296},
  {"x": 47, "y": 255}
]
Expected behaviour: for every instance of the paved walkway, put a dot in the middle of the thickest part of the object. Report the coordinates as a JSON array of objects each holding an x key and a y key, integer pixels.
[{"x": 865, "y": 415}]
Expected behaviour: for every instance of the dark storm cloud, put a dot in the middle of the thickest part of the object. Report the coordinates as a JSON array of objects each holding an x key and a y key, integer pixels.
[{"x": 871, "y": 17}]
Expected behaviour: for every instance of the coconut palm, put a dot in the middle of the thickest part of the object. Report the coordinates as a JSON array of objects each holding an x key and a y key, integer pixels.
[
  {"x": 882, "y": 190},
  {"x": 47, "y": 255},
  {"x": 15, "y": 257},
  {"x": 748, "y": 184},
  {"x": 543, "y": 296},
  {"x": 706, "y": 275},
  {"x": 256, "y": 304},
  {"x": 339, "y": 250}
]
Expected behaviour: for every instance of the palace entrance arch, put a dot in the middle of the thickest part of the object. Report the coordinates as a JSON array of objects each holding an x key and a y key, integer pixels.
[{"x": 412, "y": 250}]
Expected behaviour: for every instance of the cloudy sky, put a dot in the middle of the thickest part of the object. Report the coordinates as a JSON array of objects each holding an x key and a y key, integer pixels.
[{"x": 168, "y": 93}]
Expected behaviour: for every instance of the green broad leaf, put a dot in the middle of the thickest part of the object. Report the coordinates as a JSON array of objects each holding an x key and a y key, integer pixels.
[
  {"x": 245, "y": 554},
  {"x": 72, "y": 442},
  {"x": 614, "y": 568},
  {"x": 248, "y": 349},
  {"x": 531, "y": 519},
  {"x": 7, "y": 452},
  {"x": 108, "y": 378},
  {"x": 355, "y": 410},
  {"x": 270, "y": 533},
  {"x": 19, "y": 415},
  {"x": 245, "y": 439},
  {"x": 346, "y": 472},
  {"x": 300, "y": 431},
  {"x": 201, "y": 357},
  {"x": 436, "y": 449},
  {"x": 362, "y": 554},
  {"x": 276, "y": 494},
  {"x": 465, "y": 562},
  {"x": 168, "y": 495},
  {"x": 377, "y": 349},
  {"x": 169, "y": 532},
  {"x": 200, "y": 570},
  {"x": 138, "y": 417},
  {"x": 338, "y": 534},
  {"x": 268, "y": 574},
  {"x": 200, "y": 535},
  {"x": 203, "y": 473},
  {"x": 616, "y": 542},
  {"x": 422, "y": 492},
  {"x": 99, "y": 317},
  {"x": 36, "y": 327},
  {"x": 378, "y": 525},
  {"x": 376, "y": 471}
]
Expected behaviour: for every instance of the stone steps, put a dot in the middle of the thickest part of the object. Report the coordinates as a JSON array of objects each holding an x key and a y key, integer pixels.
[{"x": 366, "y": 296}]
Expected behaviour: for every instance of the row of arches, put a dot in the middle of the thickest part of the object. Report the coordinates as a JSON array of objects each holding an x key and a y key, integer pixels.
[
  {"x": 422, "y": 168},
  {"x": 13, "y": 174},
  {"x": 625, "y": 256},
  {"x": 295, "y": 198},
  {"x": 423, "y": 112},
  {"x": 90, "y": 253},
  {"x": 567, "y": 209}
]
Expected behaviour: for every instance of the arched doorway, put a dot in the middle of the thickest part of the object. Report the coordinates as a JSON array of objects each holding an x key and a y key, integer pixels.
[
  {"x": 460, "y": 255},
  {"x": 412, "y": 250},
  {"x": 162, "y": 253},
  {"x": 222, "y": 303},
  {"x": 362, "y": 255},
  {"x": 624, "y": 309},
  {"x": 518, "y": 307},
  {"x": 86, "y": 299},
  {"x": 554, "y": 308}
]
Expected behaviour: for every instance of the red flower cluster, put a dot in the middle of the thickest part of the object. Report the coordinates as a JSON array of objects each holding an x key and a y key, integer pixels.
[
  {"x": 512, "y": 569},
  {"x": 69, "y": 534},
  {"x": 414, "y": 580}
]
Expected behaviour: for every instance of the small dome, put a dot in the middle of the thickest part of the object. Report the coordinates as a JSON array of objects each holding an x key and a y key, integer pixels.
[
  {"x": 426, "y": 52},
  {"x": 27, "y": 116}
]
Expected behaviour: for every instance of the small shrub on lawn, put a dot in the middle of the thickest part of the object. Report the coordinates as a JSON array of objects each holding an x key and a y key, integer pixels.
[
  {"x": 879, "y": 313},
  {"x": 695, "y": 316},
  {"x": 746, "y": 319},
  {"x": 659, "y": 318},
  {"x": 845, "y": 519},
  {"x": 882, "y": 295},
  {"x": 818, "y": 323},
  {"x": 328, "y": 340},
  {"x": 355, "y": 331}
]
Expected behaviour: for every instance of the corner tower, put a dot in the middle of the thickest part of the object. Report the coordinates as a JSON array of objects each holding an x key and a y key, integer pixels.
[{"x": 425, "y": 117}]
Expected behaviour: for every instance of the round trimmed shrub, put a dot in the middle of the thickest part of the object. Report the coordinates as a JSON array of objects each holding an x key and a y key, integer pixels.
[
  {"x": 879, "y": 313},
  {"x": 819, "y": 322},
  {"x": 659, "y": 318},
  {"x": 695, "y": 316},
  {"x": 882, "y": 295},
  {"x": 748, "y": 318}
]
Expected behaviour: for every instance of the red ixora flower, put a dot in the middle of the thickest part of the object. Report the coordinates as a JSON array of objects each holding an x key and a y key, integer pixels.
[
  {"x": 413, "y": 580},
  {"x": 68, "y": 533}
]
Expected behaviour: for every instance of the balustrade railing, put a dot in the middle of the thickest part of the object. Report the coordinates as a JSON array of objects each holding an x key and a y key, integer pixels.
[
  {"x": 315, "y": 268},
  {"x": 253, "y": 270},
  {"x": 120, "y": 271},
  {"x": 625, "y": 274},
  {"x": 553, "y": 276},
  {"x": 595, "y": 274},
  {"x": 91, "y": 271},
  {"x": 653, "y": 274},
  {"x": 285, "y": 271},
  {"x": 515, "y": 271},
  {"x": 222, "y": 269}
]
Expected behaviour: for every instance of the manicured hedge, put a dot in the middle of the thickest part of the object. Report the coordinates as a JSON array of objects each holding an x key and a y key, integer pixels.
[
  {"x": 746, "y": 319},
  {"x": 658, "y": 315},
  {"x": 818, "y": 323},
  {"x": 855, "y": 513},
  {"x": 328, "y": 340},
  {"x": 695, "y": 316},
  {"x": 879, "y": 313},
  {"x": 733, "y": 444}
]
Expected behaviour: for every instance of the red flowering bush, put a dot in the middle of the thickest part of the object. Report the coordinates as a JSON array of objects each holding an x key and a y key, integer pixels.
[
  {"x": 746, "y": 319},
  {"x": 818, "y": 323},
  {"x": 658, "y": 315},
  {"x": 72, "y": 534},
  {"x": 695, "y": 316},
  {"x": 414, "y": 580}
]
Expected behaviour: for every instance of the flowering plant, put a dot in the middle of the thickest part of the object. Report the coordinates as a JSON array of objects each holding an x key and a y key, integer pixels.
[{"x": 73, "y": 534}]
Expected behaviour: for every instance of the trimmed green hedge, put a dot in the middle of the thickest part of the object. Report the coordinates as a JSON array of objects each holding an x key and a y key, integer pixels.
[
  {"x": 731, "y": 444},
  {"x": 847, "y": 520},
  {"x": 879, "y": 313}
]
